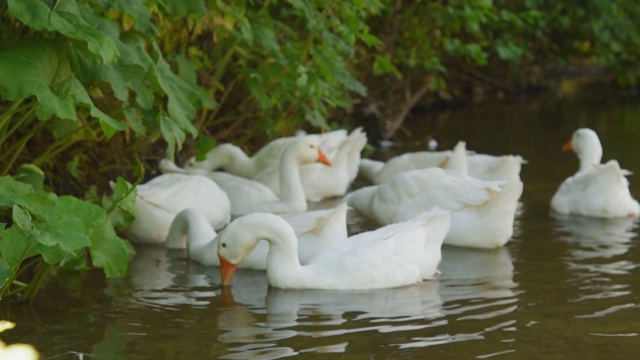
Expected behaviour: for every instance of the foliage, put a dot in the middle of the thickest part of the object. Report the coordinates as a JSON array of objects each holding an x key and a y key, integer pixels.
[
  {"x": 447, "y": 48},
  {"x": 89, "y": 86},
  {"x": 49, "y": 230},
  {"x": 278, "y": 64}
]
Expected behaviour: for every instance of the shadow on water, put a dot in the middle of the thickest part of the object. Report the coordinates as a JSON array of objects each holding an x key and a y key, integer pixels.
[{"x": 563, "y": 287}]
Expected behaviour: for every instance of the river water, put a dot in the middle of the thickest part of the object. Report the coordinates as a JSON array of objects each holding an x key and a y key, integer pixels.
[{"x": 563, "y": 287}]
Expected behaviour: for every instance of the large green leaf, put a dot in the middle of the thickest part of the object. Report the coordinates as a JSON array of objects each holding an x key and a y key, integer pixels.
[
  {"x": 10, "y": 190},
  {"x": 66, "y": 19},
  {"x": 15, "y": 246},
  {"x": 57, "y": 228},
  {"x": 182, "y": 101},
  {"x": 109, "y": 251},
  {"x": 33, "y": 13},
  {"x": 47, "y": 75}
]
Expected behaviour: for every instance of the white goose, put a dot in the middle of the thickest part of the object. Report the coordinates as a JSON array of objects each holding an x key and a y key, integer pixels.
[
  {"x": 235, "y": 161},
  {"x": 391, "y": 256},
  {"x": 159, "y": 200},
  {"x": 481, "y": 166},
  {"x": 482, "y": 212},
  {"x": 598, "y": 190},
  {"x": 321, "y": 182},
  {"x": 192, "y": 231},
  {"x": 247, "y": 196}
]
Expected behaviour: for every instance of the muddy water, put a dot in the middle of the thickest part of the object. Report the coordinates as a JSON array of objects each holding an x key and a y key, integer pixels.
[{"x": 563, "y": 287}]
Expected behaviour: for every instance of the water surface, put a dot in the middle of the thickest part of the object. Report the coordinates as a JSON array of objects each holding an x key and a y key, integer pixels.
[{"x": 563, "y": 287}]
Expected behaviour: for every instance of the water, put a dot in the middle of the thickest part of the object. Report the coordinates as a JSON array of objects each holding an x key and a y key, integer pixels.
[{"x": 563, "y": 287}]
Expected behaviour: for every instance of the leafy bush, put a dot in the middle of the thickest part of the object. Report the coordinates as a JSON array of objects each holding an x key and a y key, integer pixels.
[
  {"x": 450, "y": 49},
  {"x": 87, "y": 88}
]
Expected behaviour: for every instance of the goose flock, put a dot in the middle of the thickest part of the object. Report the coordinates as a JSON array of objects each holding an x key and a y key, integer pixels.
[{"x": 237, "y": 211}]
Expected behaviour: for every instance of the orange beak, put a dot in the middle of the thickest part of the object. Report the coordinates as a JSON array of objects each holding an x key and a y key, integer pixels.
[
  {"x": 227, "y": 271},
  {"x": 568, "y": 145},
  {"x": 322, "y": 158}
]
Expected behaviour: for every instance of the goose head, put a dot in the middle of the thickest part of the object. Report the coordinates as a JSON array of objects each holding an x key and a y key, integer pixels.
[
  {"x": 586, "y": 145},
  {"x": 242, "y": 235},
  {"x": 307, "y": 150}
]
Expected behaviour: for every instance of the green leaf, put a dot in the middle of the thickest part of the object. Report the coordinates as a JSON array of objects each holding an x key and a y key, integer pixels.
[
  {"x": 15, "y": 247},
  {"x": 68, "y": 231},
  {"x": 47, "y": 75},
  {"x": 72, "y": 167},
  {"x": 138, "y": 10},
  {"x": 6, "y": 272},
  {"x": 173, "y": 135},
  {"x": 72, "y": 25},
  {"x": 121, "y": 214},
  {"x": 383, "y": 65},
  {"x": 183, "y": 8},
  {"x": 30, "y": 174},
  {"x": 110, "y": 252},
  {"x": 21, "y": 218},
  {"x": 66, "y": 18},
  {"x": 10, "y": 190},
  {"x": 182, "y": 96},
  {"x": 135, "y": 122},
  {"x": 203, "y": 145},
  {"x": 33, "y": 13}
]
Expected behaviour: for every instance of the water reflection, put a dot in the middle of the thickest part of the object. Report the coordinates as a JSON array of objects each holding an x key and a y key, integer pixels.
[
  {"x": 323, "y": 314},
  {"x": 161, "y": 278},
  {"x": 476, "y": 287},
  {"x": 593, "y": 237},
  {"x": 476, "y": 273},
  {"x": 596, "y": 259}
]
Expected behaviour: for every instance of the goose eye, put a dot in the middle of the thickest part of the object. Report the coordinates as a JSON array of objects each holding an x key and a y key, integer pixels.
[{"x": 224, "y": 245}]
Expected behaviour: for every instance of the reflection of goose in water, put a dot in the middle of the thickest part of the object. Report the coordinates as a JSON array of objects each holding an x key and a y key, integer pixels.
[
  {"x": 153, "y": 273},
  {"x": 595, "y": 237},
  {"x": 476, "y": 273},
  {"x": 476, "y": 287},
  {"x": 601, "y": 275},
  {"x": 294, "y": 307},
  {"x": 240, "y": 311},
  {"x": 320, "y": 314}
]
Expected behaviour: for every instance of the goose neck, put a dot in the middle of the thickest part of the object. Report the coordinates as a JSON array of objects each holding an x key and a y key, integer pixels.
[{"x": 291, "y": 190}]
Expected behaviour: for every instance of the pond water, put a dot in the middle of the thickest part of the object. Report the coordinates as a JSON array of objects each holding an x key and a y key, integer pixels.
[{"x": 563, "y": 287}]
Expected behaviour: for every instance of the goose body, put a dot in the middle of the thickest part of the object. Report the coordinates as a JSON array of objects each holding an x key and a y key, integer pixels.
[
  {"x": 192, "y": 231},
  {"x": 247, "y": 196},
  {"x": 321, "y": 182},
  {"x": 482, "y": 212},
  {"x": 481, "y": 166},
  {"x": 391, "y": 256},
  {"x": 159, "y": 200},
  {"x": 597, "y": 190},
  {"x": 234, "y": 160}
]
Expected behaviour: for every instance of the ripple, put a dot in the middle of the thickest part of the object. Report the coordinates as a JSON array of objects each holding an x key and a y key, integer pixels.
[
  {"x": 607, "y": 311},
  {"x": 262, "y": 354},
  {"x": 420, "y": 342},
  {"x": 615, "y": 335},
  {"x": 486, "y": 356}
]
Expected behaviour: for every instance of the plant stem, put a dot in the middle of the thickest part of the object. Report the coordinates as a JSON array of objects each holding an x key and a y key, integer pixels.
[
  {"x": 115, "y": 203},
  {"x": 42, "y": 273}
]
